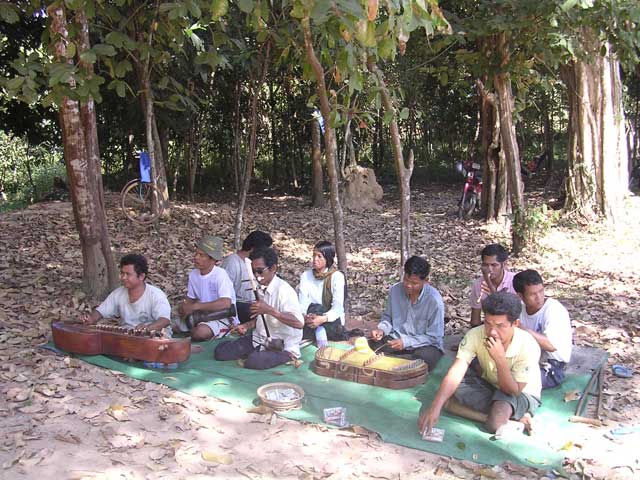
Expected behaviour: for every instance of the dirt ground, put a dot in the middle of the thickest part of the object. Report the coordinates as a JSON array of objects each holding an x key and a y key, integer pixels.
[{"x": 67, "y": 419}]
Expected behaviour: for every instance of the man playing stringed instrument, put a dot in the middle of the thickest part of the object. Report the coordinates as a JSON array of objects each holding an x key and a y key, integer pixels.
[
  {"x": 138, "y": 304},
  {"x": 276, "y": 318},
  {"x": 412, "y": 324},
  {"x": 495, "y": 278}
]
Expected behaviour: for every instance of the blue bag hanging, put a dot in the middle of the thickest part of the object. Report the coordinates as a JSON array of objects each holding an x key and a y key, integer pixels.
[{"x": 145, "y": 167}]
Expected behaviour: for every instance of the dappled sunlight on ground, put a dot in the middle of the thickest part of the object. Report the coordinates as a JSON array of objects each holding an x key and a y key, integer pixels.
[{"x": 70, "y": 419}]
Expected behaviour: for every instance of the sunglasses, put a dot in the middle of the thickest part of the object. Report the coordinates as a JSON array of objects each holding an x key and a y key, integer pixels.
[{"x": 260, "y": 271}]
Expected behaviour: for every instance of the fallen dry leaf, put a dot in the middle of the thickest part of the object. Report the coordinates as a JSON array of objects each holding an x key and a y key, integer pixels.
[
  {"x": 68, "y": 437},
  {"x": 261, "y": 409},
  {"x": 572, "y": 395},
  {"x": 215, "y": 457},
  {"x": 118, "y": 412}
]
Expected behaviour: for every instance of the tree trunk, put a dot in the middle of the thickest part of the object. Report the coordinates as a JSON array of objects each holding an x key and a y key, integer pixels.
[
  {"x": 502, "y": 82},
  {"x": 317, "y": 180},
  {"x": 597, "y": 155},
  {"x": 242, "y": 199},
  {"x": 82, "y": 161},
  {"x": 330, "y": 147},
  {"x": 403, "y": 171},
  {"x": 547, "y": 121},
  {"x": 495, "y": 203},
  {"x": 237, "y": 174},
  {"x": 191, "y": 156}
]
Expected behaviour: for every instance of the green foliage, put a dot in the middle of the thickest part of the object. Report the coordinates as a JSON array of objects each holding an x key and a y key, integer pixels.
[
  {"x": 536, "y": 224},
  {"x": 16, "y": 159}
]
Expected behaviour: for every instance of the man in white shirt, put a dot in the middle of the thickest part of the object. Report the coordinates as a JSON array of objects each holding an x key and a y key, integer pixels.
[
  {"x": 277, "y": 319},
  {"x": 138, "y": 304},
  {"x": 238, "y": 266},
  {"x": 548, "y": 322},
  {"x": 210, "y": 294}
]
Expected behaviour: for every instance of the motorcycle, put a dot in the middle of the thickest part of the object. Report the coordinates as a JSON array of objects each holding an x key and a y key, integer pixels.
[{"x": 472, "y": 191}]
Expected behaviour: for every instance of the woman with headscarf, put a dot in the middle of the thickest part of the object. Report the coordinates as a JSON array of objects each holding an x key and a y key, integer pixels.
[{"x": 321, "y": 293}]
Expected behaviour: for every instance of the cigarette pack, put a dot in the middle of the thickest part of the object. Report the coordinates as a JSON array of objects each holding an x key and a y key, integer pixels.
[
  {"x": 336, "y": 416},
  {"x": 435, "y": 435}
]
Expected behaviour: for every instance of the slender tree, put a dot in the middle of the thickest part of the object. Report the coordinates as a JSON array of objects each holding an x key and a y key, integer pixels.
[{"x": 83, "y": 165}]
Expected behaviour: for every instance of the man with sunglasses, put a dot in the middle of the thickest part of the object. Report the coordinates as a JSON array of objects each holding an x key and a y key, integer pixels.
[{"x": 276, "y": 318}]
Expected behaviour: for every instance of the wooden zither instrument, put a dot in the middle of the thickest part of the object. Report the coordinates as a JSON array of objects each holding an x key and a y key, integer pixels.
[
  {"x": 362, "y": 365},
  {"x": 145, "y": 345}
]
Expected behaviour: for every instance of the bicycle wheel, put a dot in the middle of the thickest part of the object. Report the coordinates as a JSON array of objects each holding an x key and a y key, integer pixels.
[{"x": 140, "y": 202}]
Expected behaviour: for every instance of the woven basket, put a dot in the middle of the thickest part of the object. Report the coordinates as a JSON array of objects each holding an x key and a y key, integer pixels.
[{"x": 281, "y": 405}]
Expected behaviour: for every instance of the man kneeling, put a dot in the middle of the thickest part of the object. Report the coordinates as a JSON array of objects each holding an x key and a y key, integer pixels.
[
  {"x": 277, "y": 319},
  {"x": 508, "y": 357}
]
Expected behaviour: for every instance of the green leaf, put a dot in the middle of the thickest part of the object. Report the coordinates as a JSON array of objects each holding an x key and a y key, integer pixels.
[
  {"x": 219, "y": 8},
  {"x": 208, "y": 58},
  {"x": 163, "y": 82},
  {"x": 388, "y": 116},
  {"x": 116, "y": 39},
  {"x": 122, "y": 68},
  {"x": 355, "y": 82},
  {"x": 103, "y": 49},
  {"x": 59, "y": 73},
  {"x": 386, "y": 48},
  {"x": 371, "y": 35},
  {"x": 194, "y": 9},
  {"x": 245, "y": 5},
  {"x": 119, "y": 86},
  {"x": 88, "y": 57},
  {"x": 120, "y": 90},
  {"x": 320, "y": 11},
  {"x": 334, "y": 118},
  {"x": 297, "y": 11},
  {"x": 404, "y": 113},
  {"x": 8, "y": 12},
  {"x": 568, "y": 5},
  {"x": 70, "y": 51},
  {"x": 15, "y": 83}
]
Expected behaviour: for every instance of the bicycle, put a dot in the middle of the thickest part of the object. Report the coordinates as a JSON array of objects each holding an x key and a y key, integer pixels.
[{"x": 140, "y": 198}]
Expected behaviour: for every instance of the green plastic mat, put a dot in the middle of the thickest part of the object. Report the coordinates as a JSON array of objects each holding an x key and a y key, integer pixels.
[{"x": 391, "y": 413}]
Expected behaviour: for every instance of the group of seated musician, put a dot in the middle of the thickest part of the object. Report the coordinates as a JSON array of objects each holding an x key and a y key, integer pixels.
[
  {"x": 522, "y": 347},
  {"x": 522, "y": 344}
]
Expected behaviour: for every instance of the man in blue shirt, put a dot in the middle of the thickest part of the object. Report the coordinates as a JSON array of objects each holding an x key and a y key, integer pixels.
[{"x": 412, "y": 325}]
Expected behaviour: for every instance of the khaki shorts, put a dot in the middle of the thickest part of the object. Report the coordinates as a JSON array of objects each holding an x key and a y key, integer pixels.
[{"x": 478, "y": 394}]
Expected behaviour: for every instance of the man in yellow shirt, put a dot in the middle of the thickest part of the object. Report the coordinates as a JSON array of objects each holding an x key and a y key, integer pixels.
[{"x": 509, "y": 387}]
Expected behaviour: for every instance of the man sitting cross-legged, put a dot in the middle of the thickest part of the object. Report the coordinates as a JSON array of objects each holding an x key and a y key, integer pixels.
[
  {"x": 209, "y": 290},
  {"x": 508, "y": 356},
  {"x": 138, "y": 304},
  {"x": 548, "y": 322},
  {"x": 277, "y": 319},
  {"x": 413, "y": 320}
]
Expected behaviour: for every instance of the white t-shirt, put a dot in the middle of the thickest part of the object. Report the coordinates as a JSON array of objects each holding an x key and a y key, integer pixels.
[
  {"x": 281, "y": 296},
  {"x": 150, "y": 307},
  {"x": 552, "y": 321},
  {"x": 210, "y": 287},
  {"x": 310, "y": 291},
  {"x": 241, "y": 277}
]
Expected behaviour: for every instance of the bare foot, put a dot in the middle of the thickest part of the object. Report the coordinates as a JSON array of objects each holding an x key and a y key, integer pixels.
[{"x": 527, "y": 420}]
